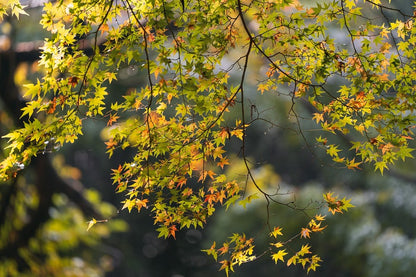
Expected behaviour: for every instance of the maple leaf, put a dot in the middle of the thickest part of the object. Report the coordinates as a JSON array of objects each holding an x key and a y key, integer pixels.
[
  {"x": 52, "y": 106},
  {"x": 318, "y": 117},
  {"x": 156, "y": 71},
  {"x": 328, "y": 197},
  {"x": 238, "y": 133},
  {"x": 277, "y": 244},
  {"x": 221, "y": 195},
  {"x": 217, "y": 153},
  {"x": 223, "y": 161},
  {"x": 352, "y": 164},
  {"x": 151, "y": 38},
  {"x": 386, "y": 147},
  {"x": 119, "y": 169},
  {"x": 350, "y": 4},
  {"x": 212, "y": 251},
  {"x": 113, "y": 118},
  {"x": 383, "y": 77},
  {"x": 360, "y": 128},
  {"x": 91, "y": 223},
  {"x": 304, "y": 250},
  {"x": 292, "y": 260},
  {"x": 333, "y": 150},
  {"x": 317, "y": 227},
  {"x": 137, "y": 104},
  {"x": 121, "y": 186},
  {"x": 104, "y": 28},
  {"x": 225, "y": 133},
  {"x": 141, "y": 203},
  {"x": 312, "y": 223},
  {"x": 181, "y": 182},
  {"x": 128, "y": 204},
  {"x": 187, "y": 192},
  {"x": 227, "y": 266},
  {"x": 333, "y": 209},
  {"x": 320, "y": 217},
  {"x": 110, "y": 144},
  {"x": 262, "y": 87},
  {"x": 172, "y": 231},
  {"x": 279, "y": 256},
  {"x": 223, "y": 249},
  {"x": 206, "y": 173},
  {"x": 270, "y": 71},
  {"x": 314, "y": 263},
  {"x": 169, "y": 97},
  {"x": 210, "y": 198},
  {"x": 304, "y": 261},
  {"x": 211, "y": 174},
  {"x": 305, "y": 233},
  {"x": 384, "y": 32},
  {"x": 346, "y": 204},
  {"x": 276, "y": 231}
]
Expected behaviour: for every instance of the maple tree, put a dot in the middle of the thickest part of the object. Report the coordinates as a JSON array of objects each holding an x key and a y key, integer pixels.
[{"x": 175, "y": 125}]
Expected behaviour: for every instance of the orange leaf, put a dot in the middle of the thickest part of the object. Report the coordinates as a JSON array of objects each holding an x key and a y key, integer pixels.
[
  {"x": 210, "y": 198},
  {"x": 104, "y": 28},
  {"x": 222, "y": 162},
  {"x": 225, "y": 133},
  {"x": 52, "y": 106},
  {"x": 305, "y": 233},
  {"x": 110, "y": 144},
  {"x": 156, "y": 71},
  {"x": 141, "y": 203},
  {"x": 223, "y": 249},
  {"x": 172, "y": 231},
  {"x": 150, "y": 37},
  {"x": 113, "y": 118},
  {"x": 317, "y": 227},
  {"x": 221, "y": 196}
]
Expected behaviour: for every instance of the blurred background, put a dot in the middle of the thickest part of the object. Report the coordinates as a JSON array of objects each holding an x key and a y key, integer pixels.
[{"x": 44, "y": 212}]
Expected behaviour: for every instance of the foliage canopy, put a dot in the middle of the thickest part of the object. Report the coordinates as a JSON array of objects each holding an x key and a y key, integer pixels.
[{"x": 353, "y": 71}]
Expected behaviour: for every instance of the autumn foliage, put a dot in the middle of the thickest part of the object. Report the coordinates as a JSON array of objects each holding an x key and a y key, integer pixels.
[{"x": 360, "y": 87}]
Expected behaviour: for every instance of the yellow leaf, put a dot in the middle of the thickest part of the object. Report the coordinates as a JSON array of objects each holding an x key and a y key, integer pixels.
[
  {"x": 320, "y": 217},
  {"x": 279, "y": 256},
  {"x": 350, "y": 4},
  {"x": 352, "y": 164},
  {"x": 277, "y": 244},
  {"x": 238, "y": 133},
  {"x": 91, "y": 223},
  {"x": 276, "y": 231},
  {"x": 333, "y": 150},
  {"x": 304, "y": 250},
  {"x": 128, "y": 204},
  {"x": 262, "y": 87},
  {"x": 318, "y": 117},
  {"x": 292, "y": 260}
]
